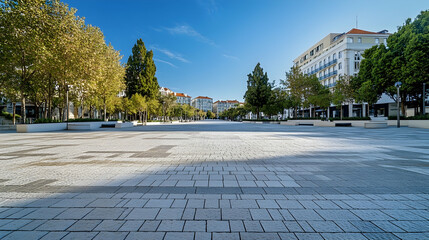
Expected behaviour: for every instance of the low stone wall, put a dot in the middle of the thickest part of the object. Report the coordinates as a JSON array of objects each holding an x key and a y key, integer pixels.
[
  {"x": 87, "y": 125},
  {"x": 418, "y": 123},
  {"x": 404, "y": 123},
  {"x": 42, "y": 127},
  {"x": 324, "y": 124},
  {"x": 124, "y": 125}
]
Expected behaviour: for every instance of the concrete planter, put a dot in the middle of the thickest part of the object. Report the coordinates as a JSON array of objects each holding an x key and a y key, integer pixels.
[
  {"x": 289, "y": 123},
  {"x": 404, "y": 123},
  {"x": 87, "y": 125},
  {"x": 355, "y": 123},
  {"x": 418, "y": 123},
  {"x": 124, "y": 125},
  {"x": 324, "y": 124},
  {"x": 42, "y": 127}
]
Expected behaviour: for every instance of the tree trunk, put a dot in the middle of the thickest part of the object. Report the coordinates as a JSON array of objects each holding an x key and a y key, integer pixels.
[
  {"x": 257, "y": 113},
  {"x": 104, "y": 113},
  {"x": 341, "y": 111},
  {"x": 13, "y": 113},
  {"x": 23, "y": 115},
  {"x": 403, "y": 108}
]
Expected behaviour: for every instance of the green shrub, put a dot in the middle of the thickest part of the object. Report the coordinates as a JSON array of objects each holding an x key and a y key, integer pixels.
[
  {"x": 351, "y": 119},
  {"x": 46, "y": 120},
  {"x": 85, "y": 120},
  {"x": 9, "y": 116},
  {"x": 418, "y": 117}
]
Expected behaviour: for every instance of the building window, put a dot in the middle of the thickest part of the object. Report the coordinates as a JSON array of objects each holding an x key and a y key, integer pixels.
[
  {"x": 334, "y": 56},
  {"x": 385, "y": 41},
  {"x": 377, "y": 41},
  {"x": 359, "y": 40},
  {"x": 340, "y": 54},
  {"x": 350, "y": 40},
  {"x": 340, "y": 66},
  {"x": 329, "y": 59},
  {"x": 312, "y": 52},
  {"x": 320, "y": 64}
]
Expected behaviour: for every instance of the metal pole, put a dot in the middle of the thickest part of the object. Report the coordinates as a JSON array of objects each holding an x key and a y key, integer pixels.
[
  {"x": 424, "y": 99},
  {"x": 68, "y": 108},
  {"x": 398, "y": 124}
]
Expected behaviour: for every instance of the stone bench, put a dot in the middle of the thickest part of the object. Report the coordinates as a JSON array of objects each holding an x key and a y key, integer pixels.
[
  {"x": 375, "y": 125},
  {"x": 124, "y": 124}
]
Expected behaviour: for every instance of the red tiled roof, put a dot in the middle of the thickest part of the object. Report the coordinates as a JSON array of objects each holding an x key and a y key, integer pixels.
[
  {"x": 201, "y": 97},
  {"x": 180, "y": 95},
  {"x": 232, "y": 101},
  {"x": 360, "y": 31}
]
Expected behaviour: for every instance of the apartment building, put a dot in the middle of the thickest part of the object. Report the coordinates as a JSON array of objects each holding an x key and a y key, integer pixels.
[
  {"x": 220, "y": 106},
  {"x": 203, "y": 103},
  {"x": 182, "y": 98},
  {"x": 339, "y": 54}
]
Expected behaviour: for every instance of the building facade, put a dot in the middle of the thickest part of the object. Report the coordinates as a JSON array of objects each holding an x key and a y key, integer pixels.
[
  {"x": 182, "y": 98},
  {"x": 220, "y": 106},
  {"x": 203, "y": 103},
  {"x": 336, "y": 55}
]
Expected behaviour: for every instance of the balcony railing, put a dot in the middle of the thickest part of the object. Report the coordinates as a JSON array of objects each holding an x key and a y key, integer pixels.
[
  {"x": 323, "y": 66},
  {"x": 330, "y": 74}
]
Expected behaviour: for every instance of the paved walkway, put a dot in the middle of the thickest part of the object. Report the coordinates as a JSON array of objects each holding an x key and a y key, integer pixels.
[{"x": 216, "y": 180}]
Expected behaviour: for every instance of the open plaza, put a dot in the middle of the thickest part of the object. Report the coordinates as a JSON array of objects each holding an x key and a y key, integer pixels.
[{"x": 216, "y": 180}]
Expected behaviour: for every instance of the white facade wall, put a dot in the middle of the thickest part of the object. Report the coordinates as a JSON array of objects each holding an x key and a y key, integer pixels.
[{"x": 205, "y": 104}]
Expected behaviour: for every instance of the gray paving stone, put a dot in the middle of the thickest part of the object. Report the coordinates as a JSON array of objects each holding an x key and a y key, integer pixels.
[
  {"x": 344, "y": 236},
  {"x": 236, "y": 226},
  {"x": 293, "y": 226},
  {"x": 207, "y": 214},
  {"x": 217, "y": 226},
  {"x": 149, "y": 226},
  {"x": 236, "y": 214},
  {"x": 309, "y": 236},
  {"x": 171, "y": 226},
  {"x": 53, "y": 235},
  {"x": 145, "y": 236},
  {"x": 69, "y": 203},
  {"x": 402, "y": 215},
  {"x": 253, "y": 226},
  {"x": 290, "y": 204},
  {"x": 170, "y": 213},
  {"x": 159, "y": 203},
  {"x": 306, "y": 214},
  {"x": 55, "y": 225},
  {"x": 324, "y": 226},
  {"x": 273, "y": 226},
  {"x": 80, "y": 235},
  {"x": 337, "y": 214},
  {"x": 380, "y": 236},
  {"x": 226, "y": 236},
  {"x": 260, "y": 214},
  {"x": 203, "y": 236},
  {"x": 371, "y": 215},
  {"x": 81, "y": 225},
  {"x": 25, "y": 235},
  {"x": 14, "y": 225},
  {"x": 412, "y": 236},
  {"x": 413, "y": 226},
  {"x": 287, "y": 236},
  {"x": 111, "y": 235},
  {"x": 244, "y": 204},
  {"x": 74, "y": 213},
  {"x": 109, "y": 225},
  {"x": 259, "y": 236},
  {"x": 179, "y": 235},
  {"x": 131, "y": 226},
  {"x": 44, "y": 213},
  {"x": 195, "y": 226},
  {"x": 143, "y": 214},
  {"x": 104, "y": 213}
]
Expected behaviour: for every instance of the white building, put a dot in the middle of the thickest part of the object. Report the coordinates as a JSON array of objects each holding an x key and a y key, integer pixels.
[
  {"x": 203, "y": 103},
  {"x": 165, "y": 91},
  {"x": 182, "y": 98},
  {"x": 339, "y": 54},
  {"x": 220, "y": 106}
]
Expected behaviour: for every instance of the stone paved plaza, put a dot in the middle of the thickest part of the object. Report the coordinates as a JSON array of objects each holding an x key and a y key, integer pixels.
[{"x": 216, "y": 180}]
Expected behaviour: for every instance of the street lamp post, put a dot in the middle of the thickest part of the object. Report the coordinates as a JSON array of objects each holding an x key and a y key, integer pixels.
[
  {"x": 424, "y": 99},
  {"x": 398, "y": 99},
  {"x": 68, "y": 108}
]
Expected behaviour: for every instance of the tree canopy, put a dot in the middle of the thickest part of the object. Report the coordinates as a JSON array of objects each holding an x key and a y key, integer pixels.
[{"x": 258, "y": 89}]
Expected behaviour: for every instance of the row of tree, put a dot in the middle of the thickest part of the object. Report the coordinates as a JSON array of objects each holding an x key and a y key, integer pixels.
[
  {"x": 47, "y": 53},
  {"x": 404, "y": 59}
]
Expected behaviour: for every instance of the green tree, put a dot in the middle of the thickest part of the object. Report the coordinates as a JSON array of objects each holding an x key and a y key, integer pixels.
[
  {"x": 167, "y": 103},
  {"x": 140, "y": 72},
  {"x": 258, "y": 89},
  {"x": 404, "y": 59},
  {"x": 343, "y": 92},
  {"x": 210, "y": 114}
]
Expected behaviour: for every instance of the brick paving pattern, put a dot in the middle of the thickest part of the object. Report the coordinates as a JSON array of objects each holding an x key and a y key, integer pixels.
[{"x": 216, "y": 180}]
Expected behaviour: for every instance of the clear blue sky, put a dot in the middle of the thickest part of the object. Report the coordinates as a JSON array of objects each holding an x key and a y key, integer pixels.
[{"x": 207, "y": 47}]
